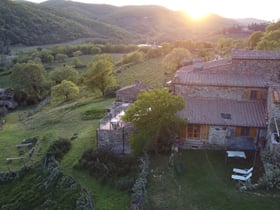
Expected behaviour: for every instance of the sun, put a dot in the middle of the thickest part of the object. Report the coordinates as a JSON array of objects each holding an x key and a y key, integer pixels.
[
  {"x": 197, "y": 14},
  {"x": 196, "y": 9}
]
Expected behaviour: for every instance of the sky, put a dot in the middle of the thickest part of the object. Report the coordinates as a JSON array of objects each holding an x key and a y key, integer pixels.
[{"x": 260, "y": 9}]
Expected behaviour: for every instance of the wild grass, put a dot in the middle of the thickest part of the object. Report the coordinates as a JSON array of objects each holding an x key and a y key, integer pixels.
[
  {"x": 49, "y": 124},
  {"x": 151, "y": 72}
]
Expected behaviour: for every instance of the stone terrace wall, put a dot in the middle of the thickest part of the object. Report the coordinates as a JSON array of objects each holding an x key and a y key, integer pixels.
[{"x": 267, "y": 68}]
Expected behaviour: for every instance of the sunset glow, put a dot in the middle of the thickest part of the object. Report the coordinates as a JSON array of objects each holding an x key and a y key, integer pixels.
[
  {"x": 196, "y": 11},
  {"x": 265, "y": 10}
]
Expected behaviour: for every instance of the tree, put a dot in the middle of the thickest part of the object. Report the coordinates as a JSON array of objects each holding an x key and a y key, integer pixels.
[
  {"x": 77, "y": 53},
  {"x": 225, "y": 45},
  {"x": 175, "y": 59},
  {"x": 154, "y": 116},
  {"x": 270, "y": 41},
  {"x": 64, "y": 73},
  {"x": 133, "y": 57},
  {"x": 60, "y": 57},
  {"x": 99, "y": 73},
  {"x": 30, "y": 78},
  {"x": 65, "y": 91},
  {"x": 254, "y": 38},
  {"x": 76, "y": 62}
]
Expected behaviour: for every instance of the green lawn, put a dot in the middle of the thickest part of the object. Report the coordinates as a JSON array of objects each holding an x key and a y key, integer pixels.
[{"x": 205, "y": 183}]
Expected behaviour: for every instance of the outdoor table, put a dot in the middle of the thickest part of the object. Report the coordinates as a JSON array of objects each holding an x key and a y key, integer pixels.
[{"x": 235, "y": 154}]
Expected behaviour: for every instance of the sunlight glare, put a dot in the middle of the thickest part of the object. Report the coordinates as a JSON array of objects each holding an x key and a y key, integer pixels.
[{"x": 196, "y": 10}]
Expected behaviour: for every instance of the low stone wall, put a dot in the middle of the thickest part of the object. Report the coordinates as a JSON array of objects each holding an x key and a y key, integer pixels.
[{"x": 12, "y": 175}]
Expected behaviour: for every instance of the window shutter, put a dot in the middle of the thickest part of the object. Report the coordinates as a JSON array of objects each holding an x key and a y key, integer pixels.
[
  {"x": 238, "y": 131},
  {"x": 204, "y": 132},
  {"x": 259, "y": 95},
  {"x": 183, "y": 133},
  {"x": 248, "y": 94},
  {"x": 253, "y": 132}
]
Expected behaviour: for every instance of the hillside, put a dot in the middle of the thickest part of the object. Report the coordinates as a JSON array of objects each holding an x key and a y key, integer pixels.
[{"x": 55, "y": 21}]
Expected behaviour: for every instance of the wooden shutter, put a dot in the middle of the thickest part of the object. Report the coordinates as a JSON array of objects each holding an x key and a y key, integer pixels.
[
  {"x": 248, "y": 94},
  {"x": 238, "y": 131},
  {"x": 204, "y": 129},
  {"x": 253, "y": 132},
  {"x": 259, "y": 95},
  {"x": 183, "y": 133}
]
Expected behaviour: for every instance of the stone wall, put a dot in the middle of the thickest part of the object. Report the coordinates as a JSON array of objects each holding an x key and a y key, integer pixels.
[
  {"x": 115, "y": 140},
  {"x": 269, "y": 69},
  {"x": 218, "y": 135},
  {"x": 234, "y": 93},
  {"x": 273, "y": 112}
]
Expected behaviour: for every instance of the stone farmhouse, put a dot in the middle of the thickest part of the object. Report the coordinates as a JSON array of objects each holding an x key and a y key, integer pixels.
[
  {"x": 231, "y": 99},
  {"x": 128, "y": 94},
  {"x": 7, "y": 98}
]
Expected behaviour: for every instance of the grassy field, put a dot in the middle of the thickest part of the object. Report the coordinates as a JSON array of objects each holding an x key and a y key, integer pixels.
[
  {"x": 205, "y": 183},
  {"x": 50, "y": 124},
  {"x": 150, "y": 72}
]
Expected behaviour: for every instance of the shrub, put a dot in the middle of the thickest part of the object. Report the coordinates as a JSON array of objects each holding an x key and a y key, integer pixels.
[
  {"x": 93, "y": 114},
  {"x": 119, "y": 171},
  {"x": 59, "y": 148}
]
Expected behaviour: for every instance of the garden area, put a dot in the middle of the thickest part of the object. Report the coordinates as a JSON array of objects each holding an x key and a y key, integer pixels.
[{"x": 203, "y": 181}]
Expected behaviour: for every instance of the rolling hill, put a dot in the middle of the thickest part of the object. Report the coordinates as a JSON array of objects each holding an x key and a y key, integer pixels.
[{"x": 55, "y": 21}]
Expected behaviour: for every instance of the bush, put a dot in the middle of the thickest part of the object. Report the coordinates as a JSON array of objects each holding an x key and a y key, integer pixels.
[
  {"x": 59, "y": 148},
  {"x": 93, "y": 114},
  {"x": 133, "y": 57},
  {"x": 119, "y": 171},
  {"x": 271, "y": 181}
]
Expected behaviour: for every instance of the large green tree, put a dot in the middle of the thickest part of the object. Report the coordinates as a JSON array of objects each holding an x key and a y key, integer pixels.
[
  {"x": 99, "y": 74},
  {"x": 254, "y": 38},
  {"x": 64, "y": 73},
  {"x": 30, "y": 78},
  {"x": 175, "y": 59},
  {"x": 154, "y": 116},
  {"x": 65, "y": 91}
]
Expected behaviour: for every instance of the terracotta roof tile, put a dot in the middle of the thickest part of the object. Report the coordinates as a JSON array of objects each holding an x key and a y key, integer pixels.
[{"x": 209, "y": 111}]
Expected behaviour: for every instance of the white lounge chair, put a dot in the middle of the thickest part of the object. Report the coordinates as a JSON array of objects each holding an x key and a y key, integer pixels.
[
  {"x": 242, "y": 171},
  {"x": 242, "y": 178}
]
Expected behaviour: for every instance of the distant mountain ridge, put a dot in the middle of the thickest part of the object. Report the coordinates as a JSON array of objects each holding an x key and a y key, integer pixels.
[{"x": 57, "y": 21}]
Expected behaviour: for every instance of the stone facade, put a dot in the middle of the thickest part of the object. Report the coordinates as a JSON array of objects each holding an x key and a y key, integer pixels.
[
  {"x": 129, "y": 93},
  {"x": 236, "y": 93},
  {"x": 273, "y": 113},
  {"x": 262, "y": 63},
  {"x": 267, "y": 68}
]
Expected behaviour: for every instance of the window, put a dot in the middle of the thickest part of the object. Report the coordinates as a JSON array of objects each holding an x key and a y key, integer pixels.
[
  {"x": 226, "y": 116},
  {"x": 246, "y": 131},
  {"x": 198, "y": 131},
  {"x": 193, "y": 131}
]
